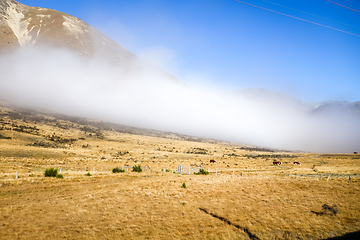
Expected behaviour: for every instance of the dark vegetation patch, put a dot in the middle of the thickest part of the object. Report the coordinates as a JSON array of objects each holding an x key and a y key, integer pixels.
[
  {"x": 340, "y": 156},
  {"x": 24, "y": 128},
  {"x": 58, "y": 139},
  {"x": 231, "y": 155},
  {"x": 198, "y": 151},
  {"x": 322, "y": 162},
  {"x": 137, "y": 168},
  {"x": 116, "y": 140},
  {"x": 59, "y": 176},
  {"x": 31, "y": 154},
  {"x": 50, "y": 172},
  {"x": 20, "y": 128},
  {"x": 121, "y": 153},
  {"x": 258, "y": 149},
  {"x": 4, "y": 137},
  {"x": 328, "y": 210},
  {"x": 202, "y": 172},
  {"x": 45, "y": 144},
  {"x": 262, "y": 156},
  {"x": 118, "y": 170}
]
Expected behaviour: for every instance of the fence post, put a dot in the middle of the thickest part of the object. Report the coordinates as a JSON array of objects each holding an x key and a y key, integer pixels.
[
  {"x": 106, "y": 169},
  {"x": 189, "y": 169},
  {"x": 349, "y": 179},
  {"x": 328, "y": 177},
  {"x": 241, "y": 174},
  {"x": 85, "y": 168},
  {"x": 16, "y": 174},
  {"x": 257, "y": 173},
  {"x": 60, "y": 170}
]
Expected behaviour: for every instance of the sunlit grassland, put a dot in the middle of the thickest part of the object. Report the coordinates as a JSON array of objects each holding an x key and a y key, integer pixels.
[{"x": 244, "y": 190}]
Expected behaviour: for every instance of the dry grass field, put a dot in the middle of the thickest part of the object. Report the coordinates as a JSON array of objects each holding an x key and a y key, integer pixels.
[{"x": 244, "y": 197}]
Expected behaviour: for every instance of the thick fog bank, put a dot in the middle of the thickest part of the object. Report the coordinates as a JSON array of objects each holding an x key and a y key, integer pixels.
[{"x": 138, "y": 96}]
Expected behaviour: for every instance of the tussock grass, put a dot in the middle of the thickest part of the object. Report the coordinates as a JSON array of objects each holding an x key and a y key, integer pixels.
[
  {"x": 269, "y": 201},
  {"x": 51, "y": 172}
]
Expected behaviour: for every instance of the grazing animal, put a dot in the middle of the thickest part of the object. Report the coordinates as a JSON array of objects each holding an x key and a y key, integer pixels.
[
  {"x": 212, "y": 161},
  {"x": 277, "y": 163},
  {"x": 297, "y": 163}
]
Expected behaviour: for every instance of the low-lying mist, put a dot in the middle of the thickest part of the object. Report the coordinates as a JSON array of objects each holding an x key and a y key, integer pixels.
[{"x": 63, "y": 81}]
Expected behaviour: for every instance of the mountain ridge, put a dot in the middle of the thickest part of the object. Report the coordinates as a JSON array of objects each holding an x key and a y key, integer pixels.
[
  {"x": 283, "y": 101},
  {"x": 25, "y": 26}
]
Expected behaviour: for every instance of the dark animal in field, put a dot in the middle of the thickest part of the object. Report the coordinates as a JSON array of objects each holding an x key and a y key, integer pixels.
[
  {"x": 212, "y": 161},
  {"x": 297, "y": 163},
  {"x": 277, "y": 163}
]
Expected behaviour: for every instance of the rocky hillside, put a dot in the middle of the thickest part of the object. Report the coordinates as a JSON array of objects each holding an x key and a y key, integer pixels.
[{"x": 22, "y": 26}]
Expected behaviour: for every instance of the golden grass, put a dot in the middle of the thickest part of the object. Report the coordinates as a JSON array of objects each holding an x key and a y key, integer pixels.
[{"x": 271, "y": 202}]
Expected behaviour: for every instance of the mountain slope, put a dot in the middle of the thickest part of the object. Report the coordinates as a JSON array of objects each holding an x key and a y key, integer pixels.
[
  {"x": 22, "y": 26},
  {"x": 283, "y": 103},
  {"x": 338, "y": 107}
]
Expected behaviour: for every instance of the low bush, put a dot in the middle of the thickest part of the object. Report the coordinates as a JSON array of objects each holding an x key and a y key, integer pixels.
[
  {"x": 202, "y": 172},
  {"x": 137, "y": 168},
  {"x": 118, "y": 170},
  {"x": 88, "y": 174},
  {"x": 50, "y": 172},
  {"x": 4, "y": 137},
  {"x": 59, "y": 176},
  {"x": 183, "y": 185}
]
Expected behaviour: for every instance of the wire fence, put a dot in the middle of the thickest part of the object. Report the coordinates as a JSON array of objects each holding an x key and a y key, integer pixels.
[{"x": 188, "y": 169}]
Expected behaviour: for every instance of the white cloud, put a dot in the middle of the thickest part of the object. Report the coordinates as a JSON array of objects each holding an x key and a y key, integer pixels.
[{"x": 143, "y": 97}]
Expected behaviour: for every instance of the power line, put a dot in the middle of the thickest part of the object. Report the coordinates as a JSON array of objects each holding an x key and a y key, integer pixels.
[
  {"x": 299, "y": 18},
  {"x": 344, "y": 6},
  {"x": 309, "y": 14}
]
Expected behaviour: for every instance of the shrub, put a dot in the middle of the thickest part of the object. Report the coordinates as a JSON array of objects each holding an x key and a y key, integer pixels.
[
  {"x": 167, "y": 170},
  {"x": 118, "y": 170},
  {"x": 183, "y": 185},
  {"x": 202, "y": 172},
  {"x": 59, "y": 176},
  {"x": 137, "y": 168},
  {"x": 50, "y": 172},
  {"x": 332, "y": 210},
  {"x": 88, "y": 174},
  {"x": 4, "y": 137}
]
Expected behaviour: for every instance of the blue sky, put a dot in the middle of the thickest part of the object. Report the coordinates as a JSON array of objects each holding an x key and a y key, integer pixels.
[{"x": 229, "y": 45}]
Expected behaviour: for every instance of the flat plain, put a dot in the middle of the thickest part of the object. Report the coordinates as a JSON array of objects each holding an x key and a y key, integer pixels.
[{"x": 244, "y": 196}]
